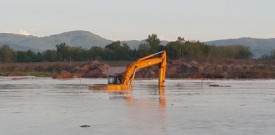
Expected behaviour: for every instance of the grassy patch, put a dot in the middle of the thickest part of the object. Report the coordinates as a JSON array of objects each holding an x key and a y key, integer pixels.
[
  {"x": 39, "y": 74},
  {"x": 3, "y": 73},
  {"x": 33, "y": 73}
]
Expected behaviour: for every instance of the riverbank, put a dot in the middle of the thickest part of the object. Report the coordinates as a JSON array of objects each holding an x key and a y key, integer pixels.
[{"x": 184, "y": 68}]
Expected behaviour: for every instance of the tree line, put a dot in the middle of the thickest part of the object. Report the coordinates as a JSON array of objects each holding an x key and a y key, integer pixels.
[
  {"x": 121, "y": 51},
  {"x": 271, "y": 56}
]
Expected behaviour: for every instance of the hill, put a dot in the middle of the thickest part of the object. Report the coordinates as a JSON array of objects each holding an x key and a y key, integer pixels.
[
  {"x": 87, "y": 39},
  {"x": 258, "y": 46},
  {"x": 84, "y": 39},
  {"x": 15, "y": 41}
]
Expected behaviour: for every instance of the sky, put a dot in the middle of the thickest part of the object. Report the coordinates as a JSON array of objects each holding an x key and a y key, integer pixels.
[{"x": 201, "y": 20}]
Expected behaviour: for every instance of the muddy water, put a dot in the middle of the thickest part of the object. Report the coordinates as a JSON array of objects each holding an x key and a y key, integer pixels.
[{"x": 42, "y": 106}]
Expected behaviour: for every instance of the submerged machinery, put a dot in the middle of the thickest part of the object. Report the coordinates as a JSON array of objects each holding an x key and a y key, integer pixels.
[{"x": 124, "y": 81}]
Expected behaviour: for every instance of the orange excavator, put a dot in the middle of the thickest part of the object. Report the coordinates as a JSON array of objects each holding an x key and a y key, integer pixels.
[{"x": 124, "y": 81}]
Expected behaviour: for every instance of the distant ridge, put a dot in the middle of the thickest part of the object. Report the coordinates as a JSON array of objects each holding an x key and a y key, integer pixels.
[
  {"x": 258, "y": 46},
  {"x": 80, "y": 38},
  {"x": 84, "y": 39},
  {"x": 87, "y": 39}
]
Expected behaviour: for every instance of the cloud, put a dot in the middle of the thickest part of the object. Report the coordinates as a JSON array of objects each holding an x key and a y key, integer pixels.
[{"x": 24, "y": 32}]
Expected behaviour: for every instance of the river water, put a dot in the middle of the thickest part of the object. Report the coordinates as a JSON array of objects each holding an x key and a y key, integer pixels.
[{"x": 43, "y": 106}]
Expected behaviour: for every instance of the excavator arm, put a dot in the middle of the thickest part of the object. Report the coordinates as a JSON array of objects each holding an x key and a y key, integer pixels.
[
  {"x": 129, "y": 74},
  {"x": 144, "y": 62}
]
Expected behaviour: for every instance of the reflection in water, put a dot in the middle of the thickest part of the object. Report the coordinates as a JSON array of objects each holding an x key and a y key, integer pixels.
[
  {"x": 162, "y": 99},
  {"x": 142, "y": 112},
  {"x": 128, "y": 95},
  {"x": 141, "y": 109}
]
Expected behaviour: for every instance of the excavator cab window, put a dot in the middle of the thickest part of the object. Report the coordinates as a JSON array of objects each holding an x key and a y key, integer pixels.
[
  {"x": 115, "y": 79},
  {"x": 111, "y": 80},
  {"x": 119, "y": 79}
]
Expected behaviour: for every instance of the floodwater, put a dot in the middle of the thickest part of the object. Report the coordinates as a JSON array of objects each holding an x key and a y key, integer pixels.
[{"x": 43, "y": 106}]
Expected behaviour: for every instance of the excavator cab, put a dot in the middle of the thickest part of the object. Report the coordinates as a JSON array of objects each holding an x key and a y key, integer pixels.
[{"x": 115, "y": 79}]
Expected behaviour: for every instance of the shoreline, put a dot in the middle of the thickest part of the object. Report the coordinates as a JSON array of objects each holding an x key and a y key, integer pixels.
[{"x": 179, "y": 69}]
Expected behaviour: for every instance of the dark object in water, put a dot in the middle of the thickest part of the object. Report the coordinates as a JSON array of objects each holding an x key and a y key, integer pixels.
[
  {"x": 85, "y": 126},
  {"x": 216, "y": 85}
]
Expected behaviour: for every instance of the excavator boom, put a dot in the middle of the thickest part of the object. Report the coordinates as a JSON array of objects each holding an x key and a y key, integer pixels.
[{"x": 129, "y": 74}]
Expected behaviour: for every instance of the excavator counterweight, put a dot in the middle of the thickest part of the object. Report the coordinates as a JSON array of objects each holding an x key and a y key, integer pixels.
[{"x": 124, "y": 81}]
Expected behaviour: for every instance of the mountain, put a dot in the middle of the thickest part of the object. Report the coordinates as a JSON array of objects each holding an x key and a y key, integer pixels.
[
  {"x": 84, "y": 39},
  {"x": 87, "y": 39},
  {"x": 257, "y": 46}
]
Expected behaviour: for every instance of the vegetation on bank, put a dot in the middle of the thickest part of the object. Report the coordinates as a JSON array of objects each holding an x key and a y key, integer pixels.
[
  {"x": 118, "y": 51},
  {"x": 29, "y": 73},
  {"x": 183, "y": 68},
  {"x": 271, "y": 56}
]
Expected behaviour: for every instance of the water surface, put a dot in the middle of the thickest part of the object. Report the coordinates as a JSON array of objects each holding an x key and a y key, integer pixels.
[{"x": 33, "y": 106}]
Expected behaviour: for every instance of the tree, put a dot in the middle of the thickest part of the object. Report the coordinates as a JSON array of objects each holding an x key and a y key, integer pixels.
[
  {"x": 20, "y": 56},
  {"x": 78, "y": 54},
  {"x": 143, "y": 50},
  {"x": 62, "y": 51},
  {"x": 50, "y": 55},
  {"x": 154, "y": 42},
  {"x": 125, "y": 52},
  {"x": 6, "y": 54},
  {"x": 272, "y": 54},
  {"x": 116, "y": 51},
  {"x": 96, "y": 53},
  {"x": 114, "y": 45},
  {"x": 30, "y": 56},
  {"x": 174, "y": 50},
  {"x": 180, "y": 39},
  {"x": 39, "y": 57},
  {"x": 243, "y": 52}
]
